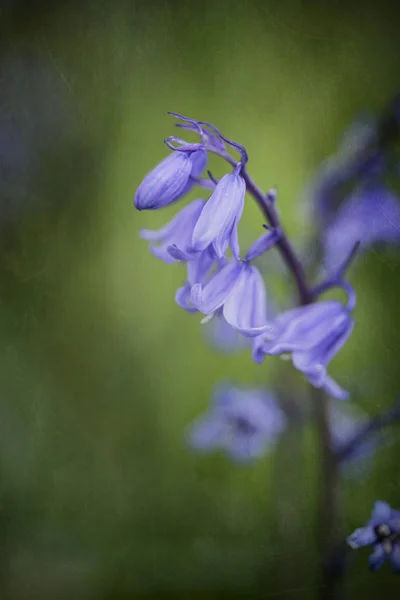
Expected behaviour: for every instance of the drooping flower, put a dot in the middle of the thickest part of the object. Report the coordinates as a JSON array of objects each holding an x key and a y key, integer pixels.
[
  {"x": 382, "y": 532},
  {"x": 313, "y": 335},
  {"x": 171, "y": 179},
  {"x": 172, "y": 242},
  {"x": 219, "y": 219},
  {"x": 237, "y": 292},
  {"x": 371, "y": 215},
  {"x": 243, "y": 422}
]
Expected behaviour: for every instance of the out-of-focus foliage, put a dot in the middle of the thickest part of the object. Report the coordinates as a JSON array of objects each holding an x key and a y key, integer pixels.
[{"x": 100, "y": 371}]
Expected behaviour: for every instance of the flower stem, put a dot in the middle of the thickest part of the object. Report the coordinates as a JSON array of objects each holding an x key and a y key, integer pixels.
[{"x": 329, "y": 526}]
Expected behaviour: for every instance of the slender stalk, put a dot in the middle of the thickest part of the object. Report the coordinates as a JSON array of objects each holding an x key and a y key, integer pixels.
[{"x": 329, "y": 526}]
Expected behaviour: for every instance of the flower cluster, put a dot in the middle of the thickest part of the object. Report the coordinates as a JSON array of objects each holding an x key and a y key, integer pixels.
[
  {"x": 231, "y": 286},
  {"x": 224, "y": 284}
]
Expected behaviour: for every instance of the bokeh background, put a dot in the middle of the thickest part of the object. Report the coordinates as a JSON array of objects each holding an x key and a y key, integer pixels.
[{"x": 100, "y": 372}]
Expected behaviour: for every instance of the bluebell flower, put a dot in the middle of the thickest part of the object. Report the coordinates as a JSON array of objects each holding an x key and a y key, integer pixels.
[
  {"x": 219, "y": 219},
  {"x": 370, "y": 215},
  {"x": 382, "y": 532},
  {"x": 171, "y": 179},
  {"x": 243, "y": 422},
  {"x": 172, "y": 242},
  {"x": 237, "y": 291},
  {"x": 313, "y": 335}
]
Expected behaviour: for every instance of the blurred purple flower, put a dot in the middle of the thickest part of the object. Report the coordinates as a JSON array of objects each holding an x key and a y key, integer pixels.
[
  {"x": 370, "y": 215},
  {"x": 219, "y": 219},
  {"x": 313, "y": 335},
  {"x": 357, "y": 156},
  {"x": 346, "y": 421},
  {"x": 172, "y": 242},
  {"x": 383, "y": 533},
  {"x": 223, "y": 337},
  {"x": 170, "y": 179},
  {"x": 243, "y": 422}
]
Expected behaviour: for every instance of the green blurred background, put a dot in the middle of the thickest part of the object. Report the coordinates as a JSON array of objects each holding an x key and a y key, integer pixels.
[{"x": 100, "y": 371}]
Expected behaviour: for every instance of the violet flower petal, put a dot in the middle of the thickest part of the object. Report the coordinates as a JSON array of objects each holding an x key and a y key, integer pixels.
[
  {"x": 245, "y": 308},
  {"x": 220, "y": 214},
  {"x": 377, "y": 558},
  {"x": 165, "y": 183},
  {"x": 213, "y": 295}
]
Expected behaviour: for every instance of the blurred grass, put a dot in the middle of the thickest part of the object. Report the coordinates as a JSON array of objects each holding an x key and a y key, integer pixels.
[{"x": 101, "y": 371}]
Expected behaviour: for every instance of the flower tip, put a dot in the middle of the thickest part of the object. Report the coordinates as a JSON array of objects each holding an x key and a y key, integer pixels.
[{"x": 136, "y": 202}]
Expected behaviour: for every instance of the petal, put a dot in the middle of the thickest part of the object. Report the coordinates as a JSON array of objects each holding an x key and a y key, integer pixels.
[
  {"x": 165, "y": 183},
  {"x": 178, "y": 254},
  {"x": 234, "y": 240},
  {"x": 199, "y": 162},
  {"x": 302, "y": 328},
  {"x": 244, "y": 448},
  {"x": 200, "y": 266},
  {"x": 263, "y": 244},
  {"x": 330, "y": 346},
  {"x": 317, "y": 375},
  {"x": 395, "y": 558},
  {"x": 334, "y": 389},
  {"x": 177, "y": 232},
  {"x": 219, "y": 214},
  {"x": 377, "y": 558},
  {"x": 381, "y": 512},
  {"x": 182, "y": 298},
  {"x": 228, "y": 232},
  {"x": 245, "y": 309},
  {"x": 364, "y": 536},
  {"x": 258, "y": 353},
  {"x": 370, "y": 215},
  {"x": 162, "y": 253},
  {"x": 213, "y": 295},
  {"x": 205, "y": 434}
]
